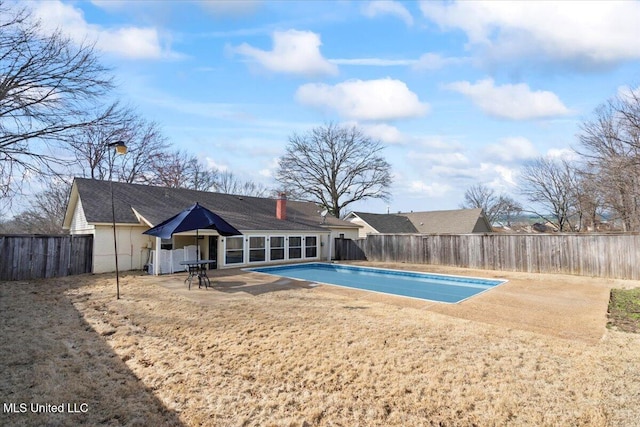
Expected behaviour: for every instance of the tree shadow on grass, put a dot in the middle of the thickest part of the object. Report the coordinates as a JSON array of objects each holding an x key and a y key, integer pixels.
[
  {"x": 255, "y": 289},
  {"x": 57, "y": 370}
]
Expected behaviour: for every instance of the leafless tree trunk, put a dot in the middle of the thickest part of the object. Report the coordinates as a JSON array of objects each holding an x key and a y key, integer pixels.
[
  {"x": 334, "y": 166},
  {"x": 589, "y": 198},
  {"x": 610, "y": 143},
  {"x": 48, "y": 88},
  {"x": 549, "y": 184}
]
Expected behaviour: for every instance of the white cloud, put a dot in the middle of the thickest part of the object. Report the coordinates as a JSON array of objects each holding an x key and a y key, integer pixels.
[
  {"x": 230, "y": 7},
  {"x": 431, "y": 160},
  {"x": 265, "y": 173},
  {"x": 383, "y": 99},
  {"x": 383, "y": 132},
  {"x": 376, "y": 62},
  {"x": 433, "y": 189},
  {"x": 582, "y": 31},
  {"x": 296, "y": 52},
  {"x": 503, "y": 176},
  {"x": 562, "y": 154},
  {"x": 139, "y": 42},
  {"x": 511, "y": 101},
  {"x": 211, "y": 164},
  {"x": 271, "y": 167},
  {"x": 434, "y": 61},
  {"x": 216, "y": 8},
  {"x": 428, "y": 61},
  {"x": 438, "y": 142},
  {"x": 628, "y": 93},
  {"x": 387, "y": 7},
  {"x": 129, "y": 42},
  {"x": 511, "y": 149}
]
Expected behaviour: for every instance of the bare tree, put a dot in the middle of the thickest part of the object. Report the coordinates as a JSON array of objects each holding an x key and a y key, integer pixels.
[
  {"x": 145, "y": 144},
  {"x": 610, "y": 145},
  {"x": 227, "y": 182},
  {"x": 588, "y": 197},
  {"x": 550, "y": 185},
  {"x": 334, "y": 166},
  {"x": 181, "y": 170},
  {"x": 495, "y": 207},
  {"x": 89, "y": 144},
  {"x": 201, "y": 177},
  {"x": 144, "y": 140},
  {"x": 48, "y": 88},
  {"x": 45, "y": 213}
]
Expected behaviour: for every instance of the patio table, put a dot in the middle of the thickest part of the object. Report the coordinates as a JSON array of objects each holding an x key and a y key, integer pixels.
[{"x": 198, "y": 269}]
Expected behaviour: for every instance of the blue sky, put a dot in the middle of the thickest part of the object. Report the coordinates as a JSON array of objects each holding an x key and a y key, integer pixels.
[{"x": 460, "y": 92}]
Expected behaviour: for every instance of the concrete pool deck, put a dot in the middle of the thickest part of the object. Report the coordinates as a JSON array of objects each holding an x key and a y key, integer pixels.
[{"x": 569, "y": 307}]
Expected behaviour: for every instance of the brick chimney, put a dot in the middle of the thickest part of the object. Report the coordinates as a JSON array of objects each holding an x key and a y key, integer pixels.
[{"x": 281, "y": 206}]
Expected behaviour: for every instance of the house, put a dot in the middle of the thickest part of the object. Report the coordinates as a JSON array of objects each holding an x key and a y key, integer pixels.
[
  {"x": 273, "y": 230},
  {"x": 458, "y": 221}
]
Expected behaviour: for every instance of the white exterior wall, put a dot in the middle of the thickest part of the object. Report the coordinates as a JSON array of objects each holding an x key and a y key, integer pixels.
[
  {"x": 366, "y": 228},
  {"x": 133, "y": 248},
  {"x": 322, "y": 247}
]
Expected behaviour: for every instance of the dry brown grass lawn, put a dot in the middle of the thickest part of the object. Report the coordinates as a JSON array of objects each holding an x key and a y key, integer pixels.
[{"x": 258, "y": 351}]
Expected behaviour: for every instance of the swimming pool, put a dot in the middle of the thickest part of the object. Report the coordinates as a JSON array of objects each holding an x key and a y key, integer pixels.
[{"x": 432, "y": 287}]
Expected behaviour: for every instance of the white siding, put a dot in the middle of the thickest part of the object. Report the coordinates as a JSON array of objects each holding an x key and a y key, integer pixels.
[
  {"x": 366, "y": 228},
  {"x": 133, "y": 248},
  {"x": 79, "y": 224}
]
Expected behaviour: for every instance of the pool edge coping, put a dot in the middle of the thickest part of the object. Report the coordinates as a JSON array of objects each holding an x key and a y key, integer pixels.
[{"x": 252, "y": 270}]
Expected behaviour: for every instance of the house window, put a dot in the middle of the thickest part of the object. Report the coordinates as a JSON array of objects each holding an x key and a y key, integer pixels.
[
  {"x": 311, "y": 246},
  {"x": 257, "y": 249},
  {"x": 166, "y": 244},
  {"x": 277, "y": 248},
  {"x": 234, "y": 252},
  {"x": 295, "y": 247}
]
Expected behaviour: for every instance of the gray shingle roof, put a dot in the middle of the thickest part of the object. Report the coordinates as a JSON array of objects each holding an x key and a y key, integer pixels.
[
  {"x": 458, "y": 221},
  {"x": 388, "y": 223},
  {"x": 155, "y": 204}
]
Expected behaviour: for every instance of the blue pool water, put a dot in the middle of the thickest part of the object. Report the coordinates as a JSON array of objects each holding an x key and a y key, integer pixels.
[{"x": 433, "y": 287}]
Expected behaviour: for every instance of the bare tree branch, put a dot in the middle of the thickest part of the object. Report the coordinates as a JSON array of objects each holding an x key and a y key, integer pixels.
[
  {"x": 549, "y": 184},
  {"x": 495, "y": 207},
  {"x": 610, "y": 145},
  {"x": 334, "y": 166},
  {"x": 48, "y": 88},
  {"x": 227, "y": 182}
]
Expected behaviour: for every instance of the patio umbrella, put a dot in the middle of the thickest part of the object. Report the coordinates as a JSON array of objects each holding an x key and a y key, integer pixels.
[{"x": 193, "y": 218}]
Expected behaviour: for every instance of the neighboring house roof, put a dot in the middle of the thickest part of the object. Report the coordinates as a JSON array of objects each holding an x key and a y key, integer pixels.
[
  {"x": 136, "y": 203},
  {"x": 387, "y": 223},
  {"x": 458, "y": 221}
]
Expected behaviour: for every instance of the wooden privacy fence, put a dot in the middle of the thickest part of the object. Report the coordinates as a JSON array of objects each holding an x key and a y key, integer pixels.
[
  {"x": 598, "y": 255},
  {"x": 24, "y": 257}
]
